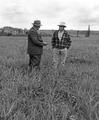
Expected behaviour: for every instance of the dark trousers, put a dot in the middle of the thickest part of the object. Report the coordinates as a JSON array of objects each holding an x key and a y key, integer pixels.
[{"x": 34, "y": 61}]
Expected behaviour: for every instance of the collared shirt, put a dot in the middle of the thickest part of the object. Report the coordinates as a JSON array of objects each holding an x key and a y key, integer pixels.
[{"x": 60, "y": 34}]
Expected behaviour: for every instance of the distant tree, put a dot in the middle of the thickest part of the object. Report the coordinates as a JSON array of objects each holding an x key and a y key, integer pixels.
[
  {"x": 88, "y": 32},
  {"x": 77, "y": 33},
  {"x": 9, "y": 34}
]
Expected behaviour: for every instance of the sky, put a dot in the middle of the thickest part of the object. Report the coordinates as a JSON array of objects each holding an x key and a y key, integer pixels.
[{"x": 77, "y": 14}]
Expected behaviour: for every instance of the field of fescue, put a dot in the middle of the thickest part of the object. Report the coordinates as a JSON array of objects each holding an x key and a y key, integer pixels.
[{"x": 71, "y": 92}]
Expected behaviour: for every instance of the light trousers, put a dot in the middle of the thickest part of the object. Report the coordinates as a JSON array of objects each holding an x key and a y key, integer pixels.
[{"x": 59, "y": 56}]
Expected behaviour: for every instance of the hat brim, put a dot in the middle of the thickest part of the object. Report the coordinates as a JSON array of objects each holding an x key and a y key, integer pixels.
[
  {"x": 37, "y": 25},
  {"x": 62, "y": 25}
]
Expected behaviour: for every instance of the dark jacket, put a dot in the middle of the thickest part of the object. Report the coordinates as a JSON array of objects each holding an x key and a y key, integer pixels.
[
  {"x": 64, "y": 43},
  {"x": 35, "y": 42}
]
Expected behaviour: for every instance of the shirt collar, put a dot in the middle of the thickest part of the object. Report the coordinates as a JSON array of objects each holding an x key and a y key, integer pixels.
[{"x": 61, "y": 31}]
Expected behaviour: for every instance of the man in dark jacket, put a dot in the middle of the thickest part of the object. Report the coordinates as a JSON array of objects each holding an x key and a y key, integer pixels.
[
  {"x": 35, "y": 45},
  {"x": 60, "y": 44}
]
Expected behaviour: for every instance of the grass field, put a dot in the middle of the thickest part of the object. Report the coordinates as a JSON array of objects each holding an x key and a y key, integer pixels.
[{"x": 72, "y": 91}]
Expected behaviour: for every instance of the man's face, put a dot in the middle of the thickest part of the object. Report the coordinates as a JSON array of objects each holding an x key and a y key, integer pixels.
[
  {"x": 61, "y": 28},
  {"x": 37, "y": 27}
]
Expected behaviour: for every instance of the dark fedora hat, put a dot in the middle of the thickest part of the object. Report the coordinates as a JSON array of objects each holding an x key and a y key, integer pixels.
[{"x": 37, "y": 23}]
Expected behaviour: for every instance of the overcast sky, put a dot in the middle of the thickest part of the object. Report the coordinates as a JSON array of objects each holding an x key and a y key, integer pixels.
[{"x": 77, "y": 14}]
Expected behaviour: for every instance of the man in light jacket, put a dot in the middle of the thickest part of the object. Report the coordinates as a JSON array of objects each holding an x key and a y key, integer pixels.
[{"x": 60, "y": 44}]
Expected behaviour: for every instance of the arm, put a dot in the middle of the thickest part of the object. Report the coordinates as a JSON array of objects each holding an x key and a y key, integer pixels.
[{"x": 68, "y": 41}]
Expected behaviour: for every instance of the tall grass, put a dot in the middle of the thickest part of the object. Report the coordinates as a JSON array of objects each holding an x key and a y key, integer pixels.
[{"x": 72, "y": 91}]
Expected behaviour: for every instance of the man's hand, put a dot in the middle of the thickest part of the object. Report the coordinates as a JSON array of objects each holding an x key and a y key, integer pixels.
[{"x": 45, "y": 44}]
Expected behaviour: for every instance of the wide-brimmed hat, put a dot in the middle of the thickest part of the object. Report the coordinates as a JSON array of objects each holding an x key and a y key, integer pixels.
[
  {"x": 37, "y": 23},
  {"x": 62, "y": 24}
]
